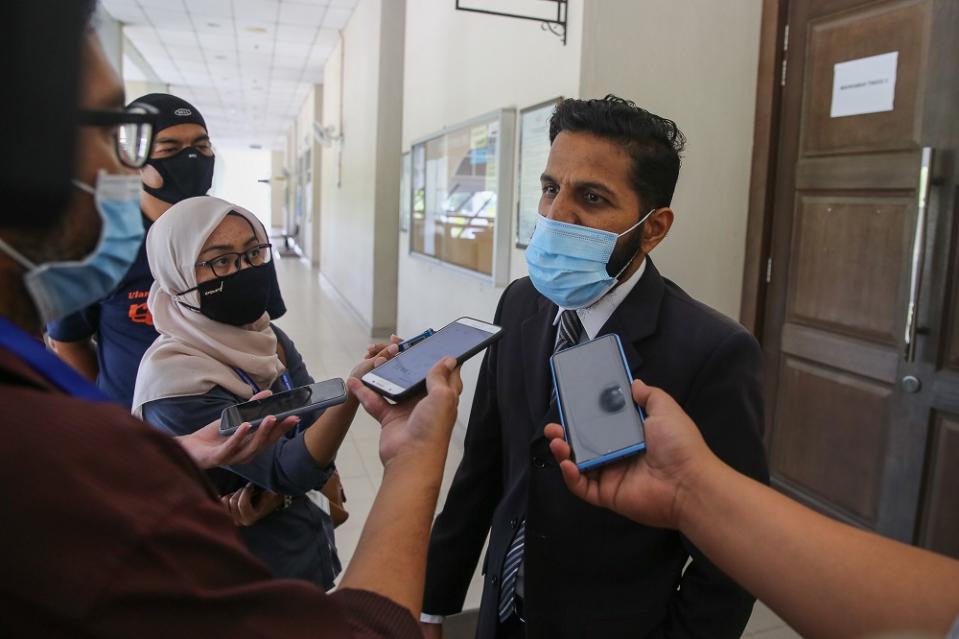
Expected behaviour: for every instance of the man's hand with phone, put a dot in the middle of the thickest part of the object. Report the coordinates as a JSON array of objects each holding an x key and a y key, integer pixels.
[
  {"x": 413, "y": 446},
  {"x": 648, "y": 488},
  {"x": 424, "y": 421}
]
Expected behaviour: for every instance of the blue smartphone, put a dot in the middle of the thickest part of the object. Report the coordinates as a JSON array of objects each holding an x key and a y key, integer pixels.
[{"x": 593, "y": 391}]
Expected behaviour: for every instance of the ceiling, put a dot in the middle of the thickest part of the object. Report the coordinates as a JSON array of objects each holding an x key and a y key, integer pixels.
[{"x": 247, "y": 65}]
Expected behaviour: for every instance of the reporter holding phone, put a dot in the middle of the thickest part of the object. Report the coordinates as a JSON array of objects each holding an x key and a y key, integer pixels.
[
  {"x": 217, "y": 347},
  {"x": 825, "y": 578}
]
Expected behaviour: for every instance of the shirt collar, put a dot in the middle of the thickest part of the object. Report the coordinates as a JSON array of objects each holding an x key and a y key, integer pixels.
[{"x": 595, "y": 316}]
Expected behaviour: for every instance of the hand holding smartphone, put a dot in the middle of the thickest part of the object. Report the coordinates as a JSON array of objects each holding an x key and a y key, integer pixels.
[
  {"x": 593, "y": 389},
  {"x": 405, "y": 374},
  {"x": 300, "y": 400}
]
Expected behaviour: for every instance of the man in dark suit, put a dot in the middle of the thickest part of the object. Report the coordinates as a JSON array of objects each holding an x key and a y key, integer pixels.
[{"x": 557, "y": 567}]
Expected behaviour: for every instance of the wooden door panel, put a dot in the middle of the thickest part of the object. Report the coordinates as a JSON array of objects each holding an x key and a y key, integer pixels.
[
  {"x": 898, "y": 171},
  {"x": 939, "y": 528},
  {"x": 848, "y": 257},
  {"x": 830, "y": 437},
  {"x": 872, "y": 30},
  {"x": 868, "y": 359}
]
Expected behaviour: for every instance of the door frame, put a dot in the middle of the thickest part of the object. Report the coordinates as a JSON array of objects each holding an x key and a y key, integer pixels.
[{"x": 769, "y": 88}]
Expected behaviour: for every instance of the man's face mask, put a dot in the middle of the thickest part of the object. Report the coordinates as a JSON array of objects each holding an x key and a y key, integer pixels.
[
  {"x": 187, "y": 174},
  {"x": 60, "y": 288},
  {"x": 568, "y": 262}
]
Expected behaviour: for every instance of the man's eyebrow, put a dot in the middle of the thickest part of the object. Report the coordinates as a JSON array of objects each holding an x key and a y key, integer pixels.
[
  {"x": 596, "y": 186},
  {"x": 201, "y": 138},
  {"x": 166, "y": 141},
  {"x": 546, "y": 177}
]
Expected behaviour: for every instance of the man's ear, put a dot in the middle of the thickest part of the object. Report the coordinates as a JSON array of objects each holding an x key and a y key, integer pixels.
[{"x": 656, "y": 228}]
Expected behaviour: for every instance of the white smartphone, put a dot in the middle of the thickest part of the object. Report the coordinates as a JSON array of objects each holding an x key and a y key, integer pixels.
[{"x": 405, "y": 374}]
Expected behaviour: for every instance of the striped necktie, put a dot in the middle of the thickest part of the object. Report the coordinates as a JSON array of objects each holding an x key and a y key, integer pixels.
[{"x": 567, "y": 334}]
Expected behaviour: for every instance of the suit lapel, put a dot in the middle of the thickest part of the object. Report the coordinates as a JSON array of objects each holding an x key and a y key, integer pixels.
[
  {"x": 637, "y": 316},
  {"x": 538, "y": 338}
]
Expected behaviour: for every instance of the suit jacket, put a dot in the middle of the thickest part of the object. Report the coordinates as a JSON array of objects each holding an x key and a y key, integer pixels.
[{"x": 590, "y": 572}]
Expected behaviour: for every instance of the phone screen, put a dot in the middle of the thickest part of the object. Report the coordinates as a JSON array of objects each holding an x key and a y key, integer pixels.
[
  {"x": 291, "y": 400},
  {"x": 596, "y": 398},
  {"x": 411, "y": 366}
]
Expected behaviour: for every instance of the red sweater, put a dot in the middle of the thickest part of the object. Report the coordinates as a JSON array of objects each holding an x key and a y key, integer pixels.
[{"x": 108, "y": 529}]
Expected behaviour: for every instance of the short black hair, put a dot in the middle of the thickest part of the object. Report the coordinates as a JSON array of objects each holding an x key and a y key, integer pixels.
[{"x": 653, "y": 142}]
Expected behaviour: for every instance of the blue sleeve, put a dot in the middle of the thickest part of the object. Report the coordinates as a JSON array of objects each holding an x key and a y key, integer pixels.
[
  {"x": 77, "y": 326},
  {"x": 286, "y": 467},
  {"x": 295, "y": 366}
]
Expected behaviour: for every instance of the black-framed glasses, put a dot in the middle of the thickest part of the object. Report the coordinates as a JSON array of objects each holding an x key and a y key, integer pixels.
[
  {"x": 134, "y": 128},
  {"x": 229, "y": 263}
]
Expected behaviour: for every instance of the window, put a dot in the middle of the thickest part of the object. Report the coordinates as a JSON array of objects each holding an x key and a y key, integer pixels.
[{"x": 457, "y": 181}]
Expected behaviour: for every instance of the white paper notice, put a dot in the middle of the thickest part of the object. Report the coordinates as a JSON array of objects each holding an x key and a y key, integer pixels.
[{"x": 866, "y": 85}]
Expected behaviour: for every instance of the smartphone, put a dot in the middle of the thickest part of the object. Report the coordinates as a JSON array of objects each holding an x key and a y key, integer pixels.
[
  {"x": 282, "y": 405},
  {"x": 595, "y": 399},
  {"x": 405, "y": 374}
]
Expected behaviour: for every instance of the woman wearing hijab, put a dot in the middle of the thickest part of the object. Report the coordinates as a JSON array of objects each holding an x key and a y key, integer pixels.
[{"x": 218, "y": 348}]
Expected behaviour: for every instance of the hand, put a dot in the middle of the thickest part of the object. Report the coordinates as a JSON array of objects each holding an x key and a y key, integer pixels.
[
  {"x": 376, "y": 354},
  {"x": 209, "y": 448},
  {"x": 431, "y": 630},
  {"x": 374, "y": 349},
  {"x": 647, "y": 488},
  {"x": 418, "y": 424},
  {"x": 249, "y": 505}
]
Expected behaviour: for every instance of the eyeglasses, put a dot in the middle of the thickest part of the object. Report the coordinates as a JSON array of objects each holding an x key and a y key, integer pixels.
[
  {"x": 229, "y": 263},
  {"x": 134, "y": 130}
]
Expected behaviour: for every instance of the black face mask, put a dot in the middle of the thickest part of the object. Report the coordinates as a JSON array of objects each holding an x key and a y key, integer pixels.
[
  {"x": 236, "y": 299},
  {"x": 189, "y": 173}
]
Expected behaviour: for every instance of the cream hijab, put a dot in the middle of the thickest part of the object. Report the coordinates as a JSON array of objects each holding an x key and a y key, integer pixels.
[{"x": 194, "y": 353}]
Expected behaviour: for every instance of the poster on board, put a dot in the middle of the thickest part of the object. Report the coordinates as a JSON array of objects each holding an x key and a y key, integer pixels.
[{"x": 533, "y": 153}]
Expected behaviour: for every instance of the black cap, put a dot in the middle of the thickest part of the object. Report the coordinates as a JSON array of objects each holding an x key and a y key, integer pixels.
[{"x": 172, "y": 110}]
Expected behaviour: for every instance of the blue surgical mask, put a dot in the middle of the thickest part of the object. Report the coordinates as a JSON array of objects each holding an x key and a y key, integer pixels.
[
  {"x": 567, "y": 262},
  {"x": 61, "y": 288}
]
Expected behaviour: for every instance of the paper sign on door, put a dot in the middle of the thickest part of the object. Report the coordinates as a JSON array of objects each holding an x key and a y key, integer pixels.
[{"x": 866, "y": 85}]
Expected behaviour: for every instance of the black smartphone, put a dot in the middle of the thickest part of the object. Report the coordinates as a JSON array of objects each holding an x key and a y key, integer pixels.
[
  {"x": 282, "y": 405},
  {"x": 405, "y": 374},
  {"x": 594, "y": 394}
]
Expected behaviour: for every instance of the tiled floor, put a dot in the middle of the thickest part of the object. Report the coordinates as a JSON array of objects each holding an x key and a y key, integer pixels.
[{"x": 331, "y": 343}]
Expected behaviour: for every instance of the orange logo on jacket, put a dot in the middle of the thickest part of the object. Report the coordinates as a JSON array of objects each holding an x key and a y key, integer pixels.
[{"x": 140, "y": 314}]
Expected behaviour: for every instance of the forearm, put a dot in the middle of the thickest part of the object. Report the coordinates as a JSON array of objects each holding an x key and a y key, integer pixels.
[
  {"x": 824, "y": 578},
  {"x": 81, "y": 355},
  {"x": 390, "y": 558},
  {"x": 324, "y": 437}
]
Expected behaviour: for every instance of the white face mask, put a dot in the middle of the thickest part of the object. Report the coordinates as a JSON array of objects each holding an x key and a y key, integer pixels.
[{"x": 61, "y": 288}]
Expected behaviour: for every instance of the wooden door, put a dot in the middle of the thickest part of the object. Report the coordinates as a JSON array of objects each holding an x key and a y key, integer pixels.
[{"x": 859, "y": 428}]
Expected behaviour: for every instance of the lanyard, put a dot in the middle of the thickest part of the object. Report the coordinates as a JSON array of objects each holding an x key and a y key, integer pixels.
[
  {"x": 256, "y": 389},
  {"x": 32, "y": 352}
]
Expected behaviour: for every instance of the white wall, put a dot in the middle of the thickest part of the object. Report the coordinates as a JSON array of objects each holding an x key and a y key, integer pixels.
[
  {"x": 361, "y": 175},
  {"x": 460, "y": 65},
  {"x": 236, "y": 179},
  {"x": 695, "y": 62}
]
